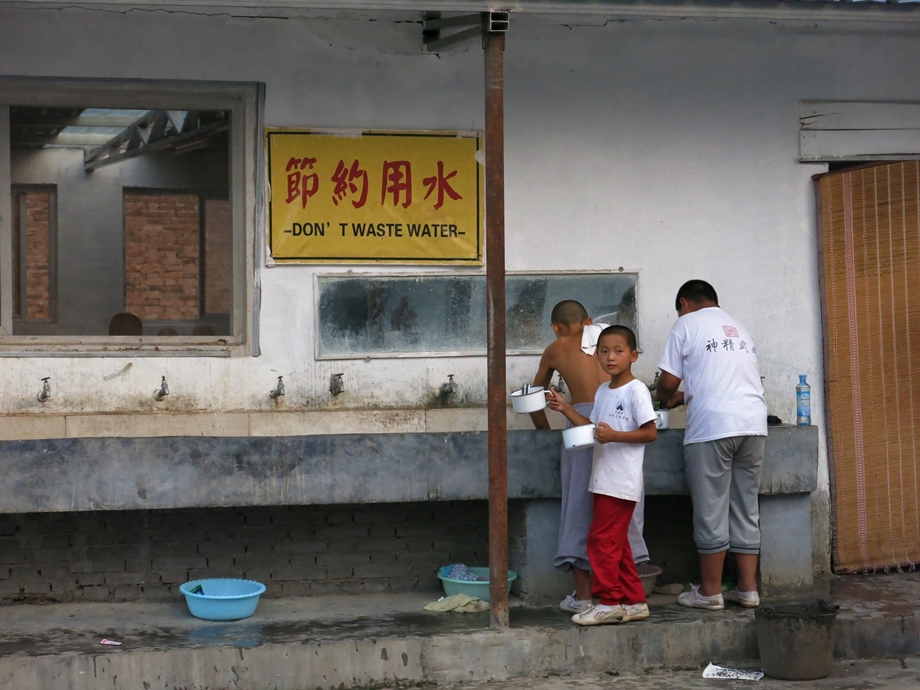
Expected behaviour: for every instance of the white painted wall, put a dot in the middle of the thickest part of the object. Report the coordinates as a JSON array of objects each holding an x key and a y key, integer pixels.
[{"x": 664, "y": 146}]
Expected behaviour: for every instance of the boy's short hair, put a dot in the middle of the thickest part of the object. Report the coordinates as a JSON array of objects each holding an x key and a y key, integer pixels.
[
  {"x": 569, "y": 313},
  {"x": 696, "y": 291},
  {"x": 622, "y": 331}
]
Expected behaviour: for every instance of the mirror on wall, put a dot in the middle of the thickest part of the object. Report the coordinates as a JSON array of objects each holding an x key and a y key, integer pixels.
[{"x": 361, "y": 316}]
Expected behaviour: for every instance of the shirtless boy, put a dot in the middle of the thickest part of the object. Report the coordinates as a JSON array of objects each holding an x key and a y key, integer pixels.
[{"x": 583, "y": 375}]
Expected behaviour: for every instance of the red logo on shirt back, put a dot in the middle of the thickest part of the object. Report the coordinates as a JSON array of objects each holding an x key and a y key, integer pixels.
[{"x": 731, "y": 332}]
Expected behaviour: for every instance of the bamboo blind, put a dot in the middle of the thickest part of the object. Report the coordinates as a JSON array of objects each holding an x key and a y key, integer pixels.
[{"x": 870, "y": 245}]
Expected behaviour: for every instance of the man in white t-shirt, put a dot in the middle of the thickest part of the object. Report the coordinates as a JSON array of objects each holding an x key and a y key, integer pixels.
[{"x": 714, "y": 355}]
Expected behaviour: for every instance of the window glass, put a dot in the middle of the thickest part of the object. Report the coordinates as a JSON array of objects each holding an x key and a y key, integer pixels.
[
  {"x": 381, "y": 315},
  {"x": 177, "y": 261},
  {"x": 121, "y": 221},
  {"x": 32, "y": 238}
]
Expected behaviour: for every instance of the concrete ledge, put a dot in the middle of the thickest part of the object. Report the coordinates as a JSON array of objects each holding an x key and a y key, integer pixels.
[
  {"x": 82, "y": 474},
  {"x": 790, "y": 462},
  {"x": 45, "y": 423},
  {"x": 477, "y": 656}
]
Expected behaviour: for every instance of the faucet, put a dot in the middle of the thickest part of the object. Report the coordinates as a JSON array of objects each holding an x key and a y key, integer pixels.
[
  {"x": 164, "y": 390},
  {"x": 278, "y": 390},
  {"x": 45, "y": 395},
  {"x": 448, "y": 391},
  {"x": 560, "y": 385},
  {"x": 336, "y": 384}
]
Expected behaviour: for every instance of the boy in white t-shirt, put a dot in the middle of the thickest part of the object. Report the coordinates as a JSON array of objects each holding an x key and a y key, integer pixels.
[{"x": 625, "y": 421}]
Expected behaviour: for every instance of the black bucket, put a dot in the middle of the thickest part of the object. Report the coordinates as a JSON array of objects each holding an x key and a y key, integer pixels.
[{"x": 796, "y": 640}]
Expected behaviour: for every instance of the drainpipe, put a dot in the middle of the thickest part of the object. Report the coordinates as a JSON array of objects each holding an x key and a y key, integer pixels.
[{"x": 493, "y": 44}]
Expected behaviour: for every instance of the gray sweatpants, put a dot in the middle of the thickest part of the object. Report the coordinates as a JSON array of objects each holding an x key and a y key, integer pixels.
[
  {"x": 724, "y": 480},
  {"x": 578, "y": 509}
]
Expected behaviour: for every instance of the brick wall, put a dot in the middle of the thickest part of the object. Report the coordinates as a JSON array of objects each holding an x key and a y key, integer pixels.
[
  {"x": 37, "y": 207},
  {"x": 162, "y": 246},
  {"x": 297, "y": 550},
  {"x": 217, "y": 256},
  {"x": 17, "y": 269}
]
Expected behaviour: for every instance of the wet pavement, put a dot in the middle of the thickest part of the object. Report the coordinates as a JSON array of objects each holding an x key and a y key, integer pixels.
[
  {"x": 69, "y": 628},
  {"x": 373, "y": 639},
  {"x": 77, "y": 628}
]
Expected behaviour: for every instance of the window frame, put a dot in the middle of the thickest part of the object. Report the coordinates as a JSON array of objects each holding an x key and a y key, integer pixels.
[{"x": 244, "y": 101}]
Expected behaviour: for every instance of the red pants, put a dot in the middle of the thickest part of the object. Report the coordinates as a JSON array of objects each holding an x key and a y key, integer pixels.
[{"x": 615, "y": 580}]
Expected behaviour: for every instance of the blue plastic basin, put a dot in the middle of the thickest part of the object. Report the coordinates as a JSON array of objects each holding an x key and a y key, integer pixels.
[
  {"x": 473, "y": 588},
  {"x": 222, "y": 599}
]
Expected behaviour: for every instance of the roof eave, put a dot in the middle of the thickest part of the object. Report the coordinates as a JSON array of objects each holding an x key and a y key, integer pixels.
[{"x": 809, "y": 10}]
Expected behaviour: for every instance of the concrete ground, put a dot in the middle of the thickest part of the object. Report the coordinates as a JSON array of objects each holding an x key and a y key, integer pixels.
[
  {"x": 895, "y": 674},
  {"x": 361, "y": 641}
]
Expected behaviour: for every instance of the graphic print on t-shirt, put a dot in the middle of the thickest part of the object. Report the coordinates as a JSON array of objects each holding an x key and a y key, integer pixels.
[{"x": 731, "y": 343}]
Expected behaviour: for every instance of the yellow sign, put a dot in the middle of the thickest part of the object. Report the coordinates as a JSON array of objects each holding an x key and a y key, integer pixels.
[{"x": 375, "y": 197}]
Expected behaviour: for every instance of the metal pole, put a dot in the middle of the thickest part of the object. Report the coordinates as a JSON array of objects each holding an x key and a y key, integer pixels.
[{"x": 494, "y": 46}]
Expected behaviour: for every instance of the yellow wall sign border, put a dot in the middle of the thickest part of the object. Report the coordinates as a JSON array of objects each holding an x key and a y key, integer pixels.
[{"x": 375, "y": 196}]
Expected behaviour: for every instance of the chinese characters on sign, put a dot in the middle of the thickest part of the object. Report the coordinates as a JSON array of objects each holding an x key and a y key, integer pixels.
[{"x": 377, "y": 197}]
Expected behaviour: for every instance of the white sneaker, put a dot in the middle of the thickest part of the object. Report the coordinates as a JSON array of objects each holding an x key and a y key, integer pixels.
[
  {"x": 635, "y": 612},
  {"x": 571, "y": 604},
  {"x": 694, "y": 600},
  {"x": 749, "y": 600},
  {"x": 600, "y": 614}
]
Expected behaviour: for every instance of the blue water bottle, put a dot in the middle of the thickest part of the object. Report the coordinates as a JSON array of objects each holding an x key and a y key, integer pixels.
[{"x": 803, "y": 402}]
